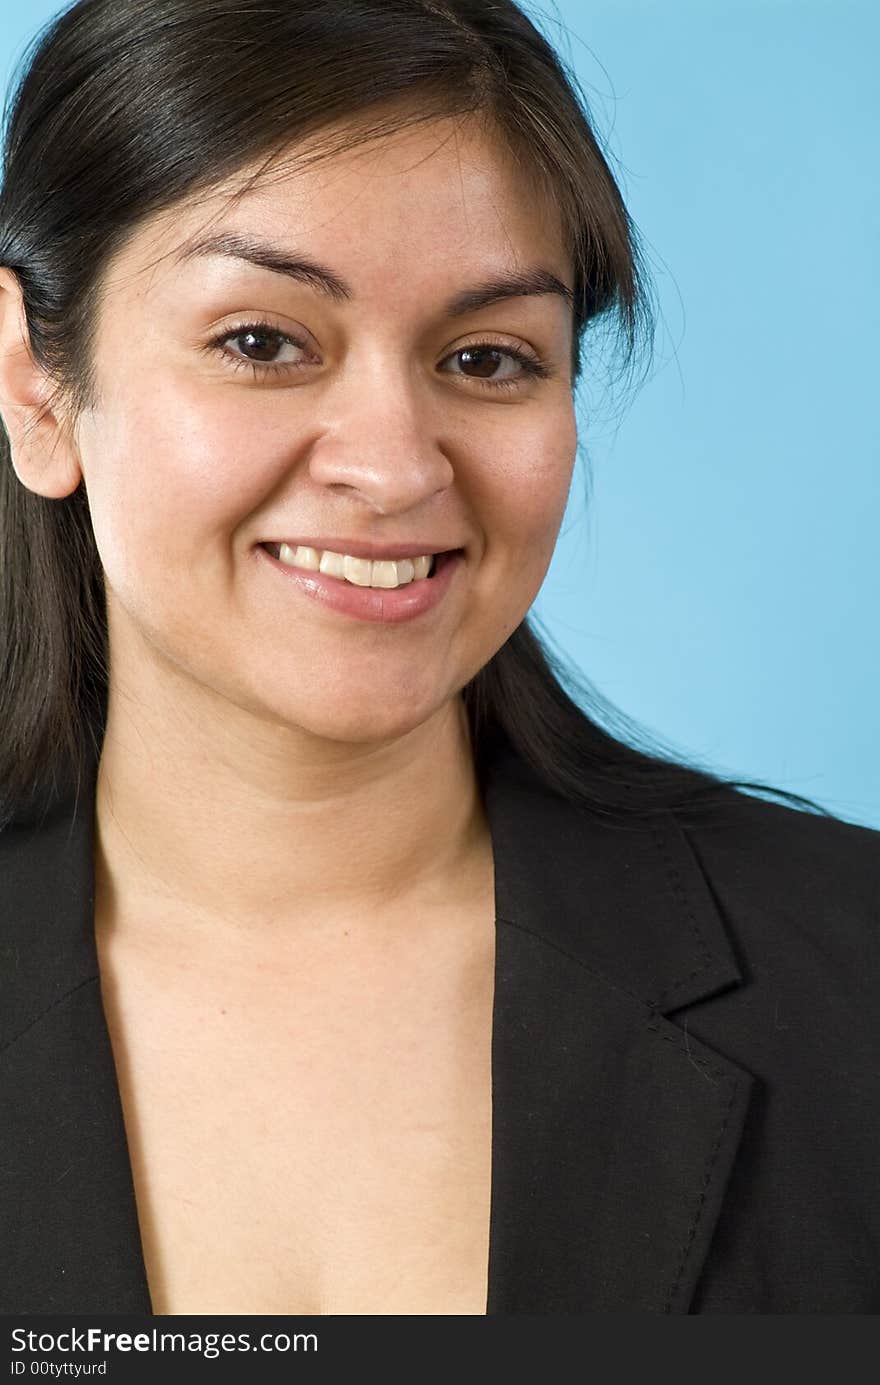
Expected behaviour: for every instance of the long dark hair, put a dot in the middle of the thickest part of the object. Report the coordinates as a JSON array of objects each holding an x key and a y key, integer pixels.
[{"x": 123, "y": 107}]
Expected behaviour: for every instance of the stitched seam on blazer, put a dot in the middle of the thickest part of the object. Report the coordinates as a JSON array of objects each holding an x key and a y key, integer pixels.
[
  {"x": 701, "y": 1063},
  {"x": 530, "y": 932},
  {"x": 89, "y": 981},
  {"x": 707, "y": 1179},
  {"x": 655, "y": 1017},
  {"x": 679, "y": 894}
]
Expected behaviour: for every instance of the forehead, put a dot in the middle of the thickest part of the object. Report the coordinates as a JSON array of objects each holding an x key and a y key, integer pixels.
[{"x": 436, "y": 199}]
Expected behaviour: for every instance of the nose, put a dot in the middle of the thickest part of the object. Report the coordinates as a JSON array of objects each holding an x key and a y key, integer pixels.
[{"x": 381, "y": 442}]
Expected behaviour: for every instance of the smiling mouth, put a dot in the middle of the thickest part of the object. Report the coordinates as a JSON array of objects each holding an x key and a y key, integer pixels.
[{"x": 390, "y": 576}]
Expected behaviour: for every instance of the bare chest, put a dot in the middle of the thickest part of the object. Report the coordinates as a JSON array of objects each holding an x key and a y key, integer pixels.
[{"x": 312, "y": 1140}]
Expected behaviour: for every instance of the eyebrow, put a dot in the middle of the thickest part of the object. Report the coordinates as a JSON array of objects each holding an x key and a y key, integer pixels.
[{"x": 516, "y": 284}]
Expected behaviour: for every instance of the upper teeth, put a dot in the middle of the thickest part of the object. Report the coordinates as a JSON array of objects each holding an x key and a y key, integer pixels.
[{"x": 363, "y": 572}]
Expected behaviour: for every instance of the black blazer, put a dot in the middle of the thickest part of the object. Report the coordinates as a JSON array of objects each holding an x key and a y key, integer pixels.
[{"x": 685, "y": 1055}]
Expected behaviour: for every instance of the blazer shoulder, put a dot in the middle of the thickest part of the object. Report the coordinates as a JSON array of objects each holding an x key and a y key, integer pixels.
[
  {"x": 792, "y": 881},
  {"x": 747, "y": 835}
]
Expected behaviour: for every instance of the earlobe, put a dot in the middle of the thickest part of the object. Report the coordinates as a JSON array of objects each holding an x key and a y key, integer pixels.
[{"x": 43, "y": 455}]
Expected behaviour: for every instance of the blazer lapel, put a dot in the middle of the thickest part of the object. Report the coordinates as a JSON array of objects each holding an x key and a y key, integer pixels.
[
  {"x": 613, "y": 1131},
  {"x": 68, "y": 1219}
]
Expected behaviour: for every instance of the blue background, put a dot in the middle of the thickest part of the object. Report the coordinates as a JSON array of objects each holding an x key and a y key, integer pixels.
[{"x": 721, "y": 587}]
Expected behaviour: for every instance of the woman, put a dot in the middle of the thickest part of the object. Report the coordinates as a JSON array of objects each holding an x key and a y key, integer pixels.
[{"x": 350, "y": 966}]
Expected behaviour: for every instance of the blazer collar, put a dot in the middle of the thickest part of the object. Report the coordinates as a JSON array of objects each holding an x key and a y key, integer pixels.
[{"x": 613, "y": 1130}]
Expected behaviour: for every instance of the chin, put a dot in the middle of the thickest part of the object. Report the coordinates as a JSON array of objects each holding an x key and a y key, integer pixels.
[{"x": 362, "y": 724}]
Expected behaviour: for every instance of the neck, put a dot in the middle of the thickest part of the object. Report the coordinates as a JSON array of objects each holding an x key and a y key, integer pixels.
[{"x": 242, "y": 828}]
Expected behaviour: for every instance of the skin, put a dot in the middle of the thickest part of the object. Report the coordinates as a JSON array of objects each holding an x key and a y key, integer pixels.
[
  {"x": 287, "y": 805},
  {"x": 259, "y": 749}
]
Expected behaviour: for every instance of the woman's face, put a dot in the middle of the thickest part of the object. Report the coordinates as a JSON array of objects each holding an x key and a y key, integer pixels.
[{"x": 371, "y": 402}]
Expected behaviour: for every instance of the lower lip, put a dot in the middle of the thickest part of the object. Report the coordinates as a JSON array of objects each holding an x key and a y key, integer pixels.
[{"x": 389, "y": 606}]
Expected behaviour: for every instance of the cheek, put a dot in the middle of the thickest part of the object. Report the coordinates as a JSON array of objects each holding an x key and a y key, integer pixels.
[
  {"x": 523, "y": 503},
  {"x": 174, "y": 474},
  {"x": 530, "y": 481}
]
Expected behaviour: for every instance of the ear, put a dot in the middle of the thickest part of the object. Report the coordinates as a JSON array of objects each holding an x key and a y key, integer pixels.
[{"x": 44, "y": 455}]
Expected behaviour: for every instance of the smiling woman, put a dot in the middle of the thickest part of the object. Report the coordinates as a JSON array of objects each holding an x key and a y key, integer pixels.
[{"x": 341, "y": 938}]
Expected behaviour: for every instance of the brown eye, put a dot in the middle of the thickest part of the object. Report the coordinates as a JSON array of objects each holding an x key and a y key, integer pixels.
[
  {"x": 257, "y": 345},
  {"x": 263, "y": 345},
  {"x": 260, "y": 344},
  {"x": 494, "y": 365},
  {"x": 481, "y": 361}
]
